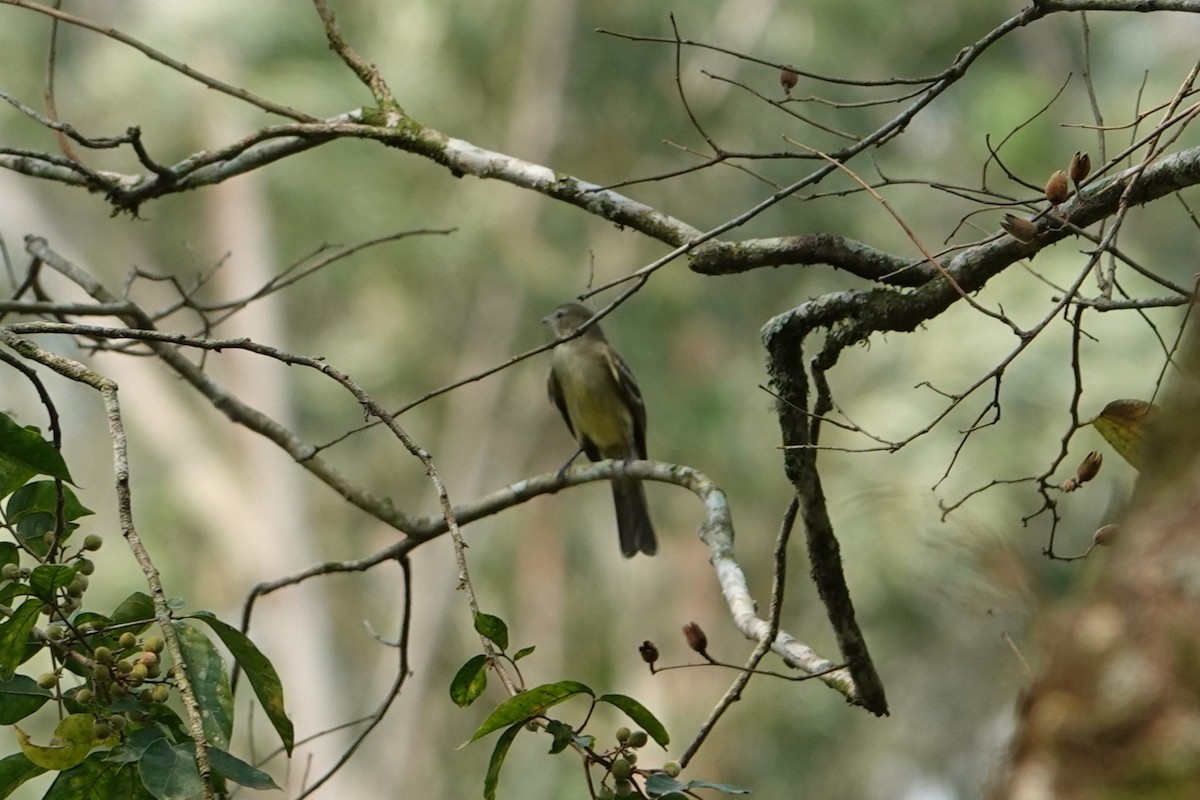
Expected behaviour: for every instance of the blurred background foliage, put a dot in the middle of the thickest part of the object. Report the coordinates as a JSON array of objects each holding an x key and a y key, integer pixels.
[{"x": 946, "y": 605}]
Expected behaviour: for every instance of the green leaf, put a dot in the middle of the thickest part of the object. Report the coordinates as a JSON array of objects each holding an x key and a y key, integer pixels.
[
  {"x": 660, "y": 784},
  {"x": 23, "y": 450},
  {"x": 9, "y": 554},
  {"x": 33, "y": 511},
  {"x": 469, "y": 682},
  {"x": 528, "y": 704},
  {"x": 234, "y": 769},
  {"x": 98, "y": 779},
  {"x": 20, "y": 697},
  {"x": 210, "y": 681},
  {"x": 14, "y": 635},
  {"x": 563, "y": 735},
  {"x": 524, "y": 651},
  {"x": 720, "y": 787},
  {"x": 639, "y": 714},
  {"x": 15, "y": 770},
  {"x": 47, "y": 578},
  {"x": 259, "y": 671},
  {"x": 71, "y": 743},
  {"x": 135, "y": 744},
  {"x": 43, "y": 496},
  {"x": 169, "y": 773},
  {"x": 493, "y": 628},
  {"x": 138, "y": 607},
  {"x": 497, "y": 761}
]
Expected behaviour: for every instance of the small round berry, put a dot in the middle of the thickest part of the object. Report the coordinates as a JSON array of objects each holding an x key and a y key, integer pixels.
[
  {"x": 621, "y": 769},
  {"x": 623, "y": 788},
  {"x": 84, "y": 696},
  {"x": 102, "y": 655},
  {"x": 93, "y": 541},
  {"x": 47, "y": 680},
  {"x": 9, "y": 571},
  {"x": 672, "y": 768},
  {"x": 127, "y": 641},
  {"x": 101, "y": 730},
  {"x": 86, "y": 566},
  {"x": 622, "y": 735},
  {"x": 153, "y": 644},
  {"x": 638, "y": 739}
]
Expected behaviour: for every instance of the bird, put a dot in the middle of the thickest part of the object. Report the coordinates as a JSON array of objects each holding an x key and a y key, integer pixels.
[{"x": 594, "y": 390}]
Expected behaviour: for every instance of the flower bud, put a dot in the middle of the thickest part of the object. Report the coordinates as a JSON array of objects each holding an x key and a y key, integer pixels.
[
  {"x": 1089, "y": 467},
  {"x": 696, "y": 638},
  {"x": 1021, "y": 229},
  {"x": 1057, "y": 190},
  {"x": 649, "y": 652},
  {"x": 787, "y": 79},
  {"x": 1081, "y": 165}
]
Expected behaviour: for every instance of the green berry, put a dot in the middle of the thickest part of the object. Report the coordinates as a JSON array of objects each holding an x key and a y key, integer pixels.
[
  {"x": 153, "y": 644},
  {"x": 102, "y": 655},
  {"x": 160, "y": 693},
  {"x": 9, "y": 571},
  {"x": 127, "y": 641},
  {"x": 101, "y": 674},
  {"x": 47, "y": 680},
  {"x": 148, "y": 658},
  {"x": 55, "y": 632},
  {"x": 101, "y": 730},
  {"x": 638, "y": 739},
  {"x": 86, "y": 566},
  {"x": 124, "y": 667},
  {"x": 93, "y": 541},
  {"x": 622, "y": 735},
  {"x": 623, "y": 788},
  {"x": 153, "y": 670},
  {"x": 84, "y": 696},
  {"x": 118, "y": 722},
  {"x": 621, "y": 769},
  {"x": 631, "y": 757},
  {"x": 605, "y": 793},
  {"x": 672, "y": 768}
]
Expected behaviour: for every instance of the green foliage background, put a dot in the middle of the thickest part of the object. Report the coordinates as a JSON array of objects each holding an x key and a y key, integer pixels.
[{"x": 945, "y": 605}]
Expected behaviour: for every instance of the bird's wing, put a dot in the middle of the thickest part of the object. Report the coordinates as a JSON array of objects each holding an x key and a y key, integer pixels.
[
  {"x": 556, "y": 397},
  {"x": 632, "y": 396}
]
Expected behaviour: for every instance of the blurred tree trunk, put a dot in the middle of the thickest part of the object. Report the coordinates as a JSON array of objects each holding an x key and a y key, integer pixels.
[{"x": 1115, "y": 710}]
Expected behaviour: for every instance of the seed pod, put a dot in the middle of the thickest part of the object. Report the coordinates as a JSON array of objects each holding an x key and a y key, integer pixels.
[
  {"x": 696, "y": 638},
  {"x": 1089, "y": 467},
  {"x": 1021, "y": 229},
  {"x": 787, "y": 79},
  {"x": 649, "y": 652},
  {"x": 1081, "y": 165},
  {"x": 1057, "y": 190}
]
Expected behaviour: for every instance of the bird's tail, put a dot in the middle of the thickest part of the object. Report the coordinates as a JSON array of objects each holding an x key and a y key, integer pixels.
[{"x": 633, "y": 520}]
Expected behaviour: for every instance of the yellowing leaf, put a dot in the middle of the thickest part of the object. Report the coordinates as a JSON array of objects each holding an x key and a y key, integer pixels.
[
  {"x": 1122, "y": 423},
  {"x": 71, "y": 743}
]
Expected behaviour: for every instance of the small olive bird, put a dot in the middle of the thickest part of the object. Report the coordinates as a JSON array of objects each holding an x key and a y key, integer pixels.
[{"x": 592, "y": 386}]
